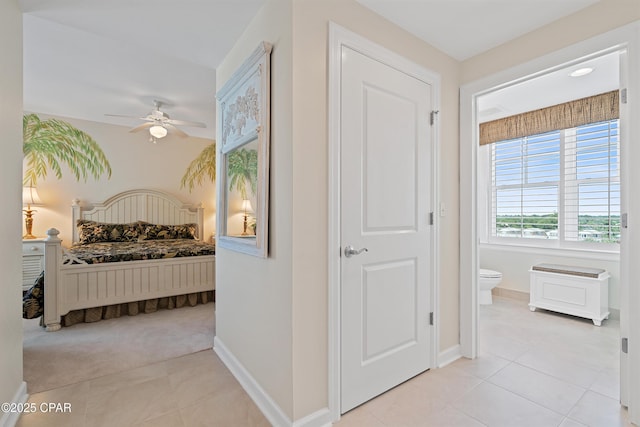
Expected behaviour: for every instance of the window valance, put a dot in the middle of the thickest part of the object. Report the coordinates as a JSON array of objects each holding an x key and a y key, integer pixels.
[{"x": 592, "y": 109}]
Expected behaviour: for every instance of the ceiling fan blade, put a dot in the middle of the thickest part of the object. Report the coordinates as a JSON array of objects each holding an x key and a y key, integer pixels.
[
  {"x": 175, "y": 130},
  {"x": 146, "y": 118},
  {"x": 122, "y": 115},
  {"x": 159, "y": 118},
  {"x": 185, "y": 123},
  {"x": 141, "y": 127}
]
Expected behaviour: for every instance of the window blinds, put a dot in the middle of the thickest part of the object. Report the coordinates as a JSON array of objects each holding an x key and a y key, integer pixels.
[
  {"x": 526, "y": 179},
  {"x": 592, "y": 183},
  {"x": 562, "y": 185}
]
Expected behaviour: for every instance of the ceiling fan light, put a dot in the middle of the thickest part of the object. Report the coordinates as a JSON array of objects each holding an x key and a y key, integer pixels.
[{"x": 158, "y": 131}]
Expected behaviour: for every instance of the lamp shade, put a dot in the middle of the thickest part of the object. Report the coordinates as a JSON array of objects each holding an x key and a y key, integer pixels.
[
  {"x": 158, "y": 131},
  {"x": 246, "y": 206},
  {"x": 30, "y": 196}
]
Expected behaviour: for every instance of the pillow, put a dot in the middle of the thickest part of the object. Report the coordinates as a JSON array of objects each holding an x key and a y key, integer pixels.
[
  {"x": 33, "y": 299},
  {"x": 97, "y": 232},
  {"x": 159, "y": 232}
]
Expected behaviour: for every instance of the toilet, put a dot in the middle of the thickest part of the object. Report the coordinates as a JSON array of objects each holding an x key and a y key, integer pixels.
[{"x": 489, "y": 279}]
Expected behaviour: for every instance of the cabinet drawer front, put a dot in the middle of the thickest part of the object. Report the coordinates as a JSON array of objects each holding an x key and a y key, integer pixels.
[{"x": 33, "y": 249}]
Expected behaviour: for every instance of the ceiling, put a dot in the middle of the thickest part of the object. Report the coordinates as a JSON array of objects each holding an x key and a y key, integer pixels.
[
  {"x": 552, "y": 88},
  {"x": 87, "y": 58},
  {"x": 465, "y": 28}
]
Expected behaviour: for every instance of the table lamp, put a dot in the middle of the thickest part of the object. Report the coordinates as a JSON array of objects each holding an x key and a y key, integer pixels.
[
  {"x": 29, "y": 198},
  {"x": 246, "y": 208}
]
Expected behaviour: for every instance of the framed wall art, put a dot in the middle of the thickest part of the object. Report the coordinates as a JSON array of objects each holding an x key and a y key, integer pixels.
[{"x": 243, "y": 153}]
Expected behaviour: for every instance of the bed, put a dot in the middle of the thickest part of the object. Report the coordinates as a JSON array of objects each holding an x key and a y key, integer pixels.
[{"x": 126, "y": 269}]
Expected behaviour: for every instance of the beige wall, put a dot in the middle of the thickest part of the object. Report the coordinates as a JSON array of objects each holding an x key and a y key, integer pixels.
[
  {"x": 253, "y": 295},
  {"x": 10, "y": 194},
  {"x": 279, "y": 305},
  {"x": 596, "y": 20},
  {"x": 603, "y": 16},
  {"x": 272, "y": 314},
  {"x": 310, "y": 165},
  {"x": 135, "y": 163}
]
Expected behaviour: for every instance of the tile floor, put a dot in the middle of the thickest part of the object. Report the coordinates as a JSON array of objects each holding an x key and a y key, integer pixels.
[
  {"x": 535, "y": 369},
  {"x": 192, "y": 390}
]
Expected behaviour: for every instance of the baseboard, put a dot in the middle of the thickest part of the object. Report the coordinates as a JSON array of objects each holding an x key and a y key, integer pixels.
[
  {"x": 321, "y": 418},
  {"x": 448, "y": 356},
  {"x": 269, "y": 408},
  {"x": 511, "y": 293},
  {"x": 10, "y": 419}
]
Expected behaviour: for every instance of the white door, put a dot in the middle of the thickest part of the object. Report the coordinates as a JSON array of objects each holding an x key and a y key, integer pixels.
[{"x": 385, "y": 205}]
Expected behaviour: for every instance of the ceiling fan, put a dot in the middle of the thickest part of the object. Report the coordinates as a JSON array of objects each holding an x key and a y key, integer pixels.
[{"x": 160, "y": 124}]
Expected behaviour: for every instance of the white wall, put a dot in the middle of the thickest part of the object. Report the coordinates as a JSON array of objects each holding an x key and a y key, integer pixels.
[
  {"x": 10, "y": 194},
  {"x": 135, "y": 163}
]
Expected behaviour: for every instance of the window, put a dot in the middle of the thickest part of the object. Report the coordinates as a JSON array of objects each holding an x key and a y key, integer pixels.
[{"x": 561, "y": 185}]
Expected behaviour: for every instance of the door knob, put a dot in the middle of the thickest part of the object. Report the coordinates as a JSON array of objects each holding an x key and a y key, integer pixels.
[{"x": 350, "y": 251}]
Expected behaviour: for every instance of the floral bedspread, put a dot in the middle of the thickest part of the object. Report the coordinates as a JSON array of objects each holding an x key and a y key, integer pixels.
[{"x": 96, "y": 253}]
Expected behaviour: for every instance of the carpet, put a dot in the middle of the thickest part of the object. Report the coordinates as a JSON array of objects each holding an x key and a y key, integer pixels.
[{"x": 91, "y": 350}]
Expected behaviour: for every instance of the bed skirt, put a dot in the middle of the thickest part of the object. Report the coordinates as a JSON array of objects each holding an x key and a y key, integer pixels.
[{"x": 95, "y": 314}]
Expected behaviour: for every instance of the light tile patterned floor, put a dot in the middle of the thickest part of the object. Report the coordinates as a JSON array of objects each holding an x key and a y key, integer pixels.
[
  {"x": 535, "y": 369},
  {"x": 193, "y": 390}
]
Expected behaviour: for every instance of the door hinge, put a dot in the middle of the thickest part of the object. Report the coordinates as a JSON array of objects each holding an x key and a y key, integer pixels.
[
  {"x": 623, "y": 95},
  {"x": 624, "y": 220},
  {"x": 431, "y": 318},
  {"x": 432, "y": 117},
  {"x": 625, "y": 345},
  {"x": 430, "y": 218}
]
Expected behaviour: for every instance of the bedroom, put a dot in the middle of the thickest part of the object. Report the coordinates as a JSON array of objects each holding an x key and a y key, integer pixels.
[
  {"x": 136, "y": 162},
  {"x": 54, "y": 211},
  {"x": 295, "y": 319}
]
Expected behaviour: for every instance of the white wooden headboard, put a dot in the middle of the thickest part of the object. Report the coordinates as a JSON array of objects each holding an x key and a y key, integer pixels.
[{"x": 152, "y": 206}]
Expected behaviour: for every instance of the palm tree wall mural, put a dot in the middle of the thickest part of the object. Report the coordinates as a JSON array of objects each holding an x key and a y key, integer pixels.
[
  {"x": 201, "y": 168},
  {"x": 242, "y": 170},
  {"x": 49, "y": 144}
]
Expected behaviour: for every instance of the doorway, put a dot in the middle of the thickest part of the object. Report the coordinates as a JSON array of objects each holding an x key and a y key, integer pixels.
[
  {"x": 622, "y": 41},
  {"x": 382, "y": 289},
  {"x": 550, "y": 198}
]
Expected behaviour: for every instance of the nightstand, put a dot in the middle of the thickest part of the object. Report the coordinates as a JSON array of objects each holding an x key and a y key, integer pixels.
[{"x": 32, "y": 261}]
